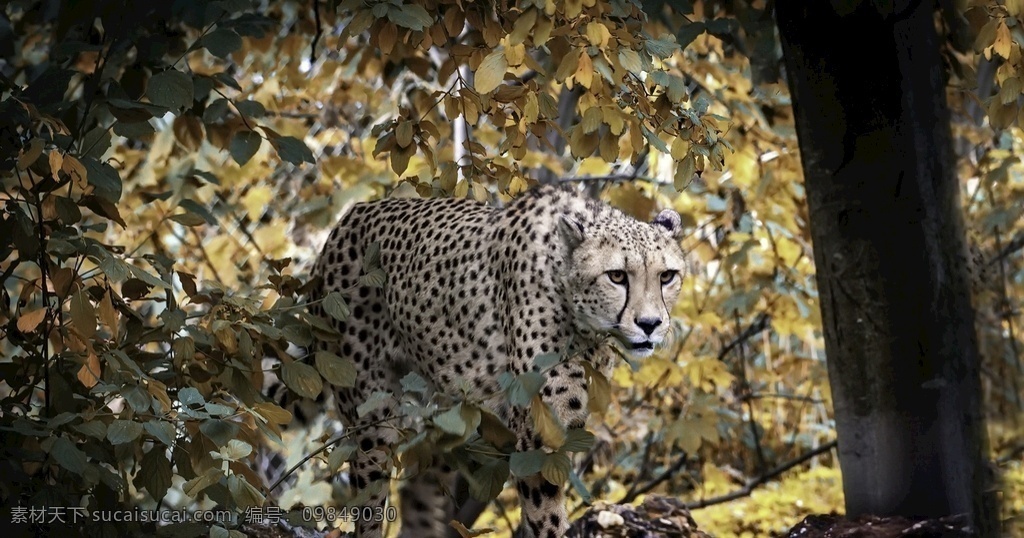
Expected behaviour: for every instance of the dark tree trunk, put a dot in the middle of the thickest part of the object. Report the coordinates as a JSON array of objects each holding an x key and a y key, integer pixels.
[{"x": 869, "y": 98}]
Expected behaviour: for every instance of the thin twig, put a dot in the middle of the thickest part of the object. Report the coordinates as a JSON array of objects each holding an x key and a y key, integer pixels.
[
  {"x": 752, "y": 484},
  {"x": 319, "y": 31}
]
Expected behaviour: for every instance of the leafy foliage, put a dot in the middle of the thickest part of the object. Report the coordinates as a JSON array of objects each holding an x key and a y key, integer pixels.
[{"x": 164, "y": 164}]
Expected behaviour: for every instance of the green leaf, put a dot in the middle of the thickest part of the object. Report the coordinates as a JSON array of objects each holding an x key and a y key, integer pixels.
[
  {"x": 95, "y": 143},
  {"x": 525, "y": 388},
  {"x": 292, "y": 149},
  {"x": 243, "y": 493},
  {"x": 663, "y": 47},
  {"x": 546, "y": 360},
  {"x": 172, "y": 89},
  {"x": 67, "y": 209},
  {"x": 215, "y": 111},
  {"x": 338, "y": 371},
  {"x": 524, "y": 464},
  {"x": 335, "y": 306},
  {"x": 486, "y": 483},
  {"x": 222, "y": 42},
  {"x": 580, "y": 487},
  {"x": 578, "y": 440},
  {"x": 413, "y": 382},
  {"x": 227, "y": 80},
  {"x": 138, "y": 398},
  {"x": 630, "y": 60},
  {"x": 374, "y": 402},
  {"x": 451, "y": 421},
  {"x": 103, "y": 176},
  {"x": 219, "y": 431},
  {"x": 374, "y": 279},
  {"x": 412, "y": 16},
  {"x": 244, "y": 145},
  {"x": 250, "y": 108},
  {"x": 188, "y": 219},
  {"x": 123, "y": 431},
  {"x": 156, "y": 473},
  {"x": 147, "y": 277},
  {"x": 371, "y": 257},
  {"x": 340, "y": 455},
  {"x": 685, "y": 35},
  {"x": 556, "y": 468},
  {"x": 68, "y": 456},
  {"x": 302, "y": 378},
  {"x": 94, "y": 428},
  {"x": 194, "y": 487},
  {"x": 164, "y": 431},
  {"x": 655, "y": 141},
  {"x": 194, "y": 207},
  {"x": 190, "y": 396}
]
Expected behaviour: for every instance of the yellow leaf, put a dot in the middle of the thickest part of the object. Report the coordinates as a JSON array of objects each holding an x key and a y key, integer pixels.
[
  {"x": 551, "y": 432},
  {"x": 491, "y": 71},
  {"x": 598, "y": 34},
  {"x": 599, "y": 390},
  {"x": 30, "y": 154},
  {"x": 585, "y": 70},
  {"x": 462, "y": 189},
  {"x": 403, "y": 133},
  {"x": 567, "y": 67},
  {"x": 788, "y": 250},
  {"x": 684, "y": 172},
  {"x": 613, "y": 117},
  {"x": 273, "y": 413},
  {"x": 523, "y": 26},
  {"x": 573, "y": 8},
  {"x": 30, "y": 320},
  {"x": 531, "y": 109},
  {"x": 468, "y": 533},
  {"x": 591, "y": 120},
  {"x": 1003, "y": 41},
  {"x": 515, "y": 54},
  {"x": 109, "y": 315},
  {"x": 255, "y": 201},
  {"x": 56, "y": 162},
  {"x": 89, "y": 373},
  {"x": 479, "y": 192},
  {"x": 74, "y": 169},
  {"x": 159, "y": 391},
  {"x": 542, "y": 31},
  {"x": 609, "y": 148},
  {"x": 556, "y": 468},
  {"x": 680, "y": 149}
]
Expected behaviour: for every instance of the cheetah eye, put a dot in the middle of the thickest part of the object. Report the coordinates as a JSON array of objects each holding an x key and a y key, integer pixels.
[
  {"x": 668, "y": 276},
  {"x": 617, "y": 277}
]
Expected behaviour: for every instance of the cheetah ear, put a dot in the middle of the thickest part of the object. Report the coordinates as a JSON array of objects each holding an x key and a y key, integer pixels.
[
  {"x": 571, "y": 230},
  {"x": 671, "y": 222}
]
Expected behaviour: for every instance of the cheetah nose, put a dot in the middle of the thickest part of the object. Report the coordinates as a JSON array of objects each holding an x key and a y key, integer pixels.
[{"x": 648, "y": 325}]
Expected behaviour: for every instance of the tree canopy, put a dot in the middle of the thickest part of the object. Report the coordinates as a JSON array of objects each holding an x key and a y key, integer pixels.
[{"x": 171, "y": 169}]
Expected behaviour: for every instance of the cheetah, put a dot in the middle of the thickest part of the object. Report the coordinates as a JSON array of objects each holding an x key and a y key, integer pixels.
[{"x": 473, "y": 291}]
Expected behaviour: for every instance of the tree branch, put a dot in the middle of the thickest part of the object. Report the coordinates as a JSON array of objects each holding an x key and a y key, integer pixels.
[{"x": 752, "y": 484}]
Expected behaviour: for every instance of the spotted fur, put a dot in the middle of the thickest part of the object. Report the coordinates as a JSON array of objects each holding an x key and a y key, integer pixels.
[{"x": 474, "y": 291}]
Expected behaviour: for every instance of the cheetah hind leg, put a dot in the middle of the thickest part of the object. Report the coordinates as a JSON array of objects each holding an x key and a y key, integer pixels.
[
  {"x": 371, "y": 465},
  {"x": 426, "y": 504}
]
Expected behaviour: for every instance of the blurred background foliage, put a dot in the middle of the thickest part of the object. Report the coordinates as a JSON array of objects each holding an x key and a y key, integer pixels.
[{"x": 171, "y": 169}]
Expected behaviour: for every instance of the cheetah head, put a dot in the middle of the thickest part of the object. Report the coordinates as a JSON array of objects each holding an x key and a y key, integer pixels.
[{"x": 624, "y": 276}]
